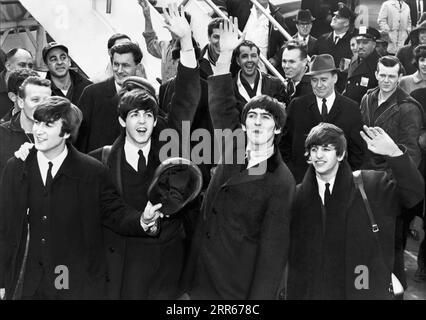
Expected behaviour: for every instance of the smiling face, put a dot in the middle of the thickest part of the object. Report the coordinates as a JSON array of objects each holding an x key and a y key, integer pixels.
[
  {"x": 214, "y": 40},
  {"x": 293, "y": 64},
  {"x": 260, "y": 128},
  {"x": 325, "y": 160},
  {"x": 422, "y": 37},
  {"x": 248, "y": 60},
  {"x": 123, "y": 66},
  {"x": 48, "y": 139},
  {"x": 422, "y": 65},
  {"x": 58, "y": 62},
  {"x": 34, "y": 95},
  {"x": 139, "y": 125},
  {"x": 323, "y": 84},
  {"x": 365, "y": 47}
]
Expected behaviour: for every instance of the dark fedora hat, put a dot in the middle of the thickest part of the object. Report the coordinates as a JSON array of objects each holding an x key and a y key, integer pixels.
[
  {"x": 321, "y": 63},
  {"x": 176, "y": 182},
  {"x": 304, "y": 16}
]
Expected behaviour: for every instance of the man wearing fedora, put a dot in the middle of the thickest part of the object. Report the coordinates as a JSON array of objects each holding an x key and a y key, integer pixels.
[
  {"x": 323, "y": 105},
  {"x": 149, "y": 268},
  {"x": 361, "y": 72},
  {"x": 304, "y": 21},
  {"x": 337, "y": 42},
  {"x": 65, "y": 82}
]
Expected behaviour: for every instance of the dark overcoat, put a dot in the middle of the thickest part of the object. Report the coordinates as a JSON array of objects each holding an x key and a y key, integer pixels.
[
  {"x": 361, "y": 77},
  {"x": 241, "y": 241},
  {"x": 83, "y": 198},
  {"x": 303, "y": 115},
  {"x": 327, "y": 265},
  {"x": 100, "y": 125},
  {"x": 164, "y": 254}
]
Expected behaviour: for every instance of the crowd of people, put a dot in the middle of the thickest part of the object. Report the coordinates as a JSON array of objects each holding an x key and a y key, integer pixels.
[{"x": 292, "y": 179}]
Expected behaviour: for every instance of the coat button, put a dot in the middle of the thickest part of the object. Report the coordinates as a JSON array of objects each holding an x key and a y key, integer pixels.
[
  {"x": 111, "y": 249},
  {"x": 44, "y": 218},
  {"x": 43, "y": 240},
  {"x": 208, "y": 235},
  {"x": 214, "y": 211}
]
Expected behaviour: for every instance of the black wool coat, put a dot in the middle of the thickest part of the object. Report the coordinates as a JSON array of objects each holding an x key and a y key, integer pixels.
[
  {"x": 303, "y": 115},
  {"x": 361, "y": 77},
  {"x": 163, "y": 262},
  {"x": 82, "y": 194},
  {"x": 100, "y": 125},
  {"x": 241, "y": 240},
  {"x": 324, "y": 265},
  {"x": 74, "y": 93}
]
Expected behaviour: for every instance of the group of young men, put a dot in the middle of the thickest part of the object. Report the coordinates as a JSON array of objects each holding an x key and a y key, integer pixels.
[{"x": 82, "y": 226}]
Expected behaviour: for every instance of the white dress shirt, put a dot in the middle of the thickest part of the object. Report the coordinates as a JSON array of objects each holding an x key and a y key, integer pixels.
[
  {"x": 131, "y": 153},
  {"x": 257, "y": 156},
  {"x": 330, "y": 101},
  {"x": 43, "y": 163},
  {"x": 340, "y": 36},
  {"x": 321, "y": 186}
]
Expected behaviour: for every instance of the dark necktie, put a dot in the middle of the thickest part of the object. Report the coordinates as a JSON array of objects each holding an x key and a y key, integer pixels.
[
  {"x": 400, "y": 5},
  {"x": 290, "y": 88},
  {"x": 141, "y": 162},
  {"x": 49, "y": 177},
  {"x": 324, "y": 109},
  {"x": 336, "y": 39},
  {"x": 327, "y": 195}
]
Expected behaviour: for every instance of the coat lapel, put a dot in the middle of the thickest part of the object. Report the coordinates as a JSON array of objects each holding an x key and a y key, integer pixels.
[
  {"x": 313, "y": 108},
  {"x": 335, "y": 109}
]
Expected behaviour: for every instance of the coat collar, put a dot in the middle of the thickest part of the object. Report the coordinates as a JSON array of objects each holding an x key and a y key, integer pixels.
[
  {"x": 335, "y": 110},
  {"x": 3, "y": 85},
  {"x": 110, "y": 91},
  {"x": 343, "y": 190},
  {"x": 239, "y": 175},
  {"x": 367, "y": 64}
]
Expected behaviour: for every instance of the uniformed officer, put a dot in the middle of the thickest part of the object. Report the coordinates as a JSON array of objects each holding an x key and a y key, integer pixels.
[{"x": 361, "y": 73}]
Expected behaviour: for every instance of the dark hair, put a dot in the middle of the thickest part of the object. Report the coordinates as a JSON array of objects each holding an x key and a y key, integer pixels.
[
  {"x": 214, "y": 24},
  {"x": 12, "y": 52},
  {"x": 60, "y": 108},
  {"x": 37, "y": 81},
  {"x": 115, "y": 37},
  {"x": 326, "y": 134},
  {"x": 391, "y": 61},
  {"x": 271, "y": 105},
  {"x": 297, "y": 45},
  {"x": 17, "y": 77},
  {"x": 419, "y": 52},
  {"x": 128, "y": 47},
  {"x": 132, "y": 98},
  {"x": 246, "y": 43}
]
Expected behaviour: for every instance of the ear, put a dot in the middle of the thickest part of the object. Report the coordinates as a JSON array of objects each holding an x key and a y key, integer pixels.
[
  {"x": 122, "y": 122},
  {"x": 20, "y": 102},
  {"x": 238, "y": 61},
  {"x": 155, "y": 123},
  {"x": 335, "y": 78},
  {"x": 277, "y": 130},
  {"x": 341, "y": 157},
  {"x": 7, "y": 65},
  {"x": 244, "y": 127},
  {"x": 66, "y": 135},
  {"x": 12, "y": 97},
  {"x": 377, "y": 75}
]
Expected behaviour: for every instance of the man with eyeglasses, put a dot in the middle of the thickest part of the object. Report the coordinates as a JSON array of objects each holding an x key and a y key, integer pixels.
[
  {"x": 361, "y": 72},
  {"x": 304, "y": 21},
  {"x": 65, "y": 81},
  {"x": 333, "y": 251}
]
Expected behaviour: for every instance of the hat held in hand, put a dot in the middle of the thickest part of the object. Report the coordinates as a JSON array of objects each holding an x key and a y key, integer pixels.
[{"x": 176, "y": 182}]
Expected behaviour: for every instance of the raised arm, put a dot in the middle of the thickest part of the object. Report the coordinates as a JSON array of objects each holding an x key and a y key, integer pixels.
[{"x": 187, "y": 84}]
